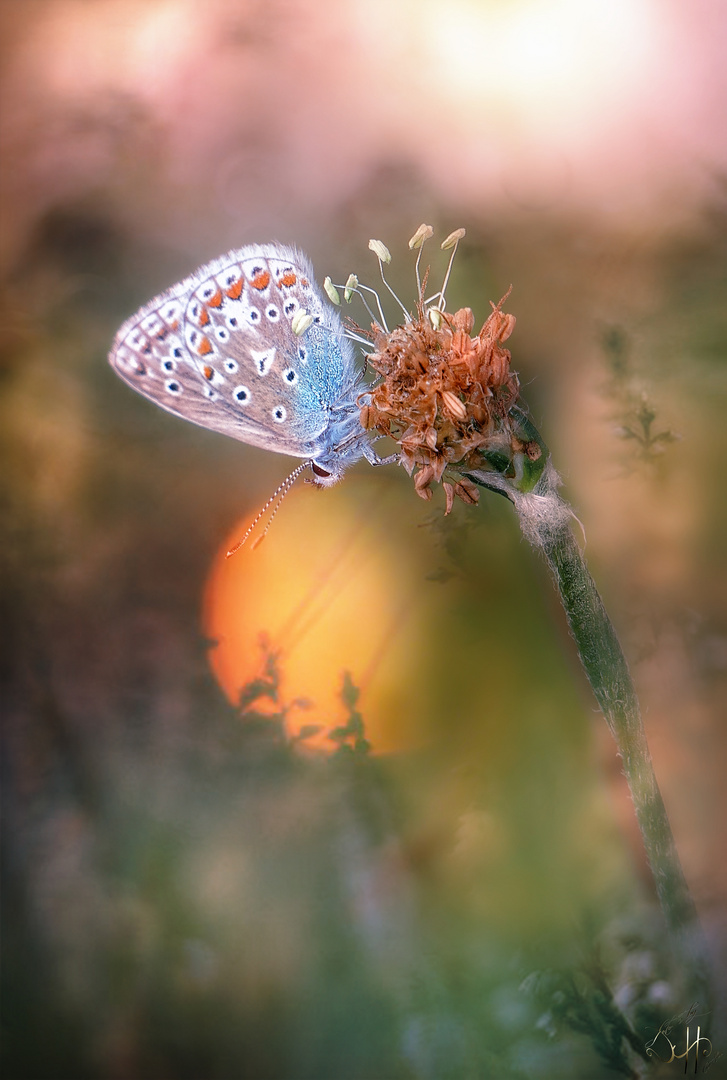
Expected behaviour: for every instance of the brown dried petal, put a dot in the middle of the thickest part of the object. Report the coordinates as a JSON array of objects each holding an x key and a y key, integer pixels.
[
  {"x": 438, "y": 466},
  {"x": 449, "y": 492},
  {"x": 500, "y": 366},
  {"x": 422, "y": 480},
  {"x": 467, "y": 491},
  {"x": 508, "y": 325},
  {"x": 407, "y": 459},
  {"x": 454, "y": 405},
  {"x": 368, "y": 416},
  {"x": 463, "y": 320}
]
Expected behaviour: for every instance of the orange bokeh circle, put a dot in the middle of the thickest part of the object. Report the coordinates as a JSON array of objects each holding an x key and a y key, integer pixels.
[{"x": 332, "y": 591}]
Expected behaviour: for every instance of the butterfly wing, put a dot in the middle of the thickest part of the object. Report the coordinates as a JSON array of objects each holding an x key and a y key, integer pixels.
[{"x": 218, "y": 349}]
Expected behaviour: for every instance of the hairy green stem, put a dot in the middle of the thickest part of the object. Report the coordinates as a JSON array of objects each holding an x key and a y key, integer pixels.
[{"x": 546, "y": 521}]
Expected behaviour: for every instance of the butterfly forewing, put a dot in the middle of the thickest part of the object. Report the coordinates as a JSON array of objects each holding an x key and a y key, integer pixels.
[{"x": 219, "y": 350}]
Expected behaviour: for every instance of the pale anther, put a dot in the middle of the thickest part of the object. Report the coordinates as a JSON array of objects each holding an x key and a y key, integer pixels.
[
  {"x": 453, "y": 239},
  {"x": 350, "y": 287},
  {"x": 332, "y": 292},
  {"x": 380, "y": 250},
  {"x": 424, "y": 232}
]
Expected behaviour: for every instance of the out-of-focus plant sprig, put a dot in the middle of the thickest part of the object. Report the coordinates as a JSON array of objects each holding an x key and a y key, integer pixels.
[
  {"x": 581, "y": 1000},
  {"x": 635, "y": 414}
]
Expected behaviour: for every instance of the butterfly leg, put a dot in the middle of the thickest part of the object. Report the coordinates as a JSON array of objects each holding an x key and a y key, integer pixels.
[{"x": 373, "y": 458}]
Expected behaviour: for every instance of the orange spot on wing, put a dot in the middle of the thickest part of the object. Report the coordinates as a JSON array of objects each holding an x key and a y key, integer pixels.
[
  {"x": 204, "y": 316},
  {"x": 235, "y": 289},
  {"x": 208, "y": 372},
  {"x": 288, "y": 279},
  {"x": 261, "y": 280},
  {"x": 204, "y": 347},
  {"x": 305, "y": 282},
  {"x": 216, "y": 300},
  {"x": 174, "y": 325}
]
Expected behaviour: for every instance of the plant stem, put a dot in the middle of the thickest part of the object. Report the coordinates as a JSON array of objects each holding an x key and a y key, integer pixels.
[{"x": 546, "y": 520}]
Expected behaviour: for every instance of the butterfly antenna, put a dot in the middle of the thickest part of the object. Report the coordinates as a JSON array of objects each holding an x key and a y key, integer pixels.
[{"x": 279, "y": 494}]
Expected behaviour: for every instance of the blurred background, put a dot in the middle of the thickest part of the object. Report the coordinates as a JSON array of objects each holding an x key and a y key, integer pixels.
[{"x": 406, "y": 850}]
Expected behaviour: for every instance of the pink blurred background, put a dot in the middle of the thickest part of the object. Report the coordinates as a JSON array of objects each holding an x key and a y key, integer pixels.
[{"x": 242, "y": 120}]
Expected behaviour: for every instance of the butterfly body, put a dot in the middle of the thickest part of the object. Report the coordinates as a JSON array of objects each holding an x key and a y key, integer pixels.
[{"x": 219, "y": 349}]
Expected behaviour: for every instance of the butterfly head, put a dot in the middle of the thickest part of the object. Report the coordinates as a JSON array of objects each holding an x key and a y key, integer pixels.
[{"x": 324, "y": 478}]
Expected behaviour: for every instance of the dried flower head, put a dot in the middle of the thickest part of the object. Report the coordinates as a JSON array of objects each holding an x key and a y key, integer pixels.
[{"x": 449, "y": 399}]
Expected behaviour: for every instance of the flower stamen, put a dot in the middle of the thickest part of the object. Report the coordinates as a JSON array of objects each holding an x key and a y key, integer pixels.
[
  {"x": 452, "y": 241},
  {"x": 417, "y": 242},
  {"x": 383, "y": 254}
]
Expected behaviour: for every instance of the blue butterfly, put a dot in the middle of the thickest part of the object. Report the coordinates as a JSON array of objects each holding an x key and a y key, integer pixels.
[{"x": 245, "y": 346}]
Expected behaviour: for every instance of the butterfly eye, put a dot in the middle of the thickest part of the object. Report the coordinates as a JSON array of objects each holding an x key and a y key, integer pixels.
[
  {"x": 279, "y": 414},
  {"x": 233, "y": 322},
  {"x": 290, "y": 376},
  {"x": 231, "y": 366},
  {"x": 272, "y": 313},
  {"x": 302, "y": 353},
  {"x": 241, "y": 394},
  {"x": 168, "y": 365},
  {"x": 290, "y": 308},
  {"x": 253, "y": 315},
  {"x": 222, "y": 334},
  {"x": 173, "y": 387},
  {"x": 177, "y": 353},
  {"x": 319, "y": 471}
]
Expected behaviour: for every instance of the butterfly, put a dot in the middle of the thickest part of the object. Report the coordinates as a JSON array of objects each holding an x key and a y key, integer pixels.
[{"x": 224, "y": 349}]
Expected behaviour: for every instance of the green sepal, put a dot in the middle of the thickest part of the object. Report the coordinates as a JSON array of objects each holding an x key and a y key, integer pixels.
[
  {"x": 499, "y": 461},
  {"x": 527, "y": 471}
]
